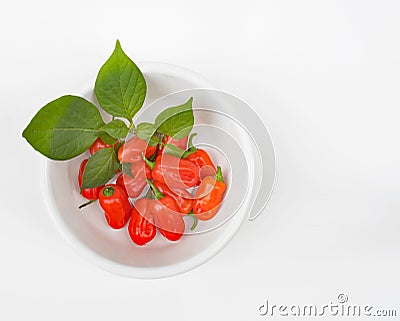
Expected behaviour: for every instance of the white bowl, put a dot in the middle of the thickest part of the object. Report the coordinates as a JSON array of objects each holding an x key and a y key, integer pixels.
[{"x": 235, "y": 137}]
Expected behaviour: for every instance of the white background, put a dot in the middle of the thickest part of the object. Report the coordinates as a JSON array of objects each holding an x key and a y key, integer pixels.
[{"x": 324, "y": 76}]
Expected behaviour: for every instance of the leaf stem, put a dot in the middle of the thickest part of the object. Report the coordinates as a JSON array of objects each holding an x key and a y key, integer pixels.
[{"x": 132, "y": 128}]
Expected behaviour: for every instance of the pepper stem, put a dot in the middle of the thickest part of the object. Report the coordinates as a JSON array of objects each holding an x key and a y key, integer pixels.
[
  {"x": 218, "y": 175},
  {"x": 149, "y": 163},
  {"x": 86, "y": 204},
  {"x": 190, "y": 144},
  {"x": 157, "y": 193},
  {"x": 108, "y": 191},
  {"x": 195, "y": 221}
]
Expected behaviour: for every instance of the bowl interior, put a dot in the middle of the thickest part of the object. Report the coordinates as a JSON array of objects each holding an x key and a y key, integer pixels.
[{"x": 230, "y": 146}]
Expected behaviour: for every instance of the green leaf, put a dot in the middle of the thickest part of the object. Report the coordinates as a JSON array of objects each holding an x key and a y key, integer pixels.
[
  {"x": 100, "y": 168},
  {"x": 116, "y": 129},
  {"x": 176, "y": 122},
  {"x": 107, "y": 138},
  {"x": 145, "y": 130},
  {"x": 126, "y": 169},
  {"x": 64, "y": 128},
  {"x": 178, "y": 152},
  {"x": 120, "y": 86},
  {"x": 154, "y": 140}
]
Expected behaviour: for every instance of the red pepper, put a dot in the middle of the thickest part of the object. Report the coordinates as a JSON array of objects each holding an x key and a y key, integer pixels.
[
  {"x": 133, "y": 149},
  {"x": 166, "y": 215},
  {"x": 181, "y": 196},
  {"x": 121, "y": 182},
  {"x": 135, "y": 185},
  {"x": 201, "y": 158},
  {"x": 99, "y": 144},
  {"x": 88, "y": 193},
  {"x": 181, "y": 143},
  {"x": 141, "y": 226},
  {"x": 175, "y": 172},
  {"x": 203, "y": 161},
  {"x": 115, "y": 203},
  {"x": 209, "y": 196}
]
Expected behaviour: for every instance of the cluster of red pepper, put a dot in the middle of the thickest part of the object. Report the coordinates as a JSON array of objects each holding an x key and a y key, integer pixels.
[{"x": 171, "y": 180}]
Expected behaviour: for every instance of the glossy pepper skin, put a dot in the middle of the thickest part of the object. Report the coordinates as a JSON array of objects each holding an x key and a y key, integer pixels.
[
  {"x": 181, "y": 143},
  {"x": 166, "y": 215},
  {"x": 88, "y": 193},
  {"x": 203, "y": 161},
  {"x": 115, "y": 203},
  {"x": 141, "y": 226},
  {"x": 135, "y": 185},
  {"x": 209, "y": 196},
  {"x": 99, "y": 144},
  {"x": 182, "y": 197},
  {"x": 132, "y": 150},
  {"x": 175, "y": 172},
  {"x": 201, "y": 158}
]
